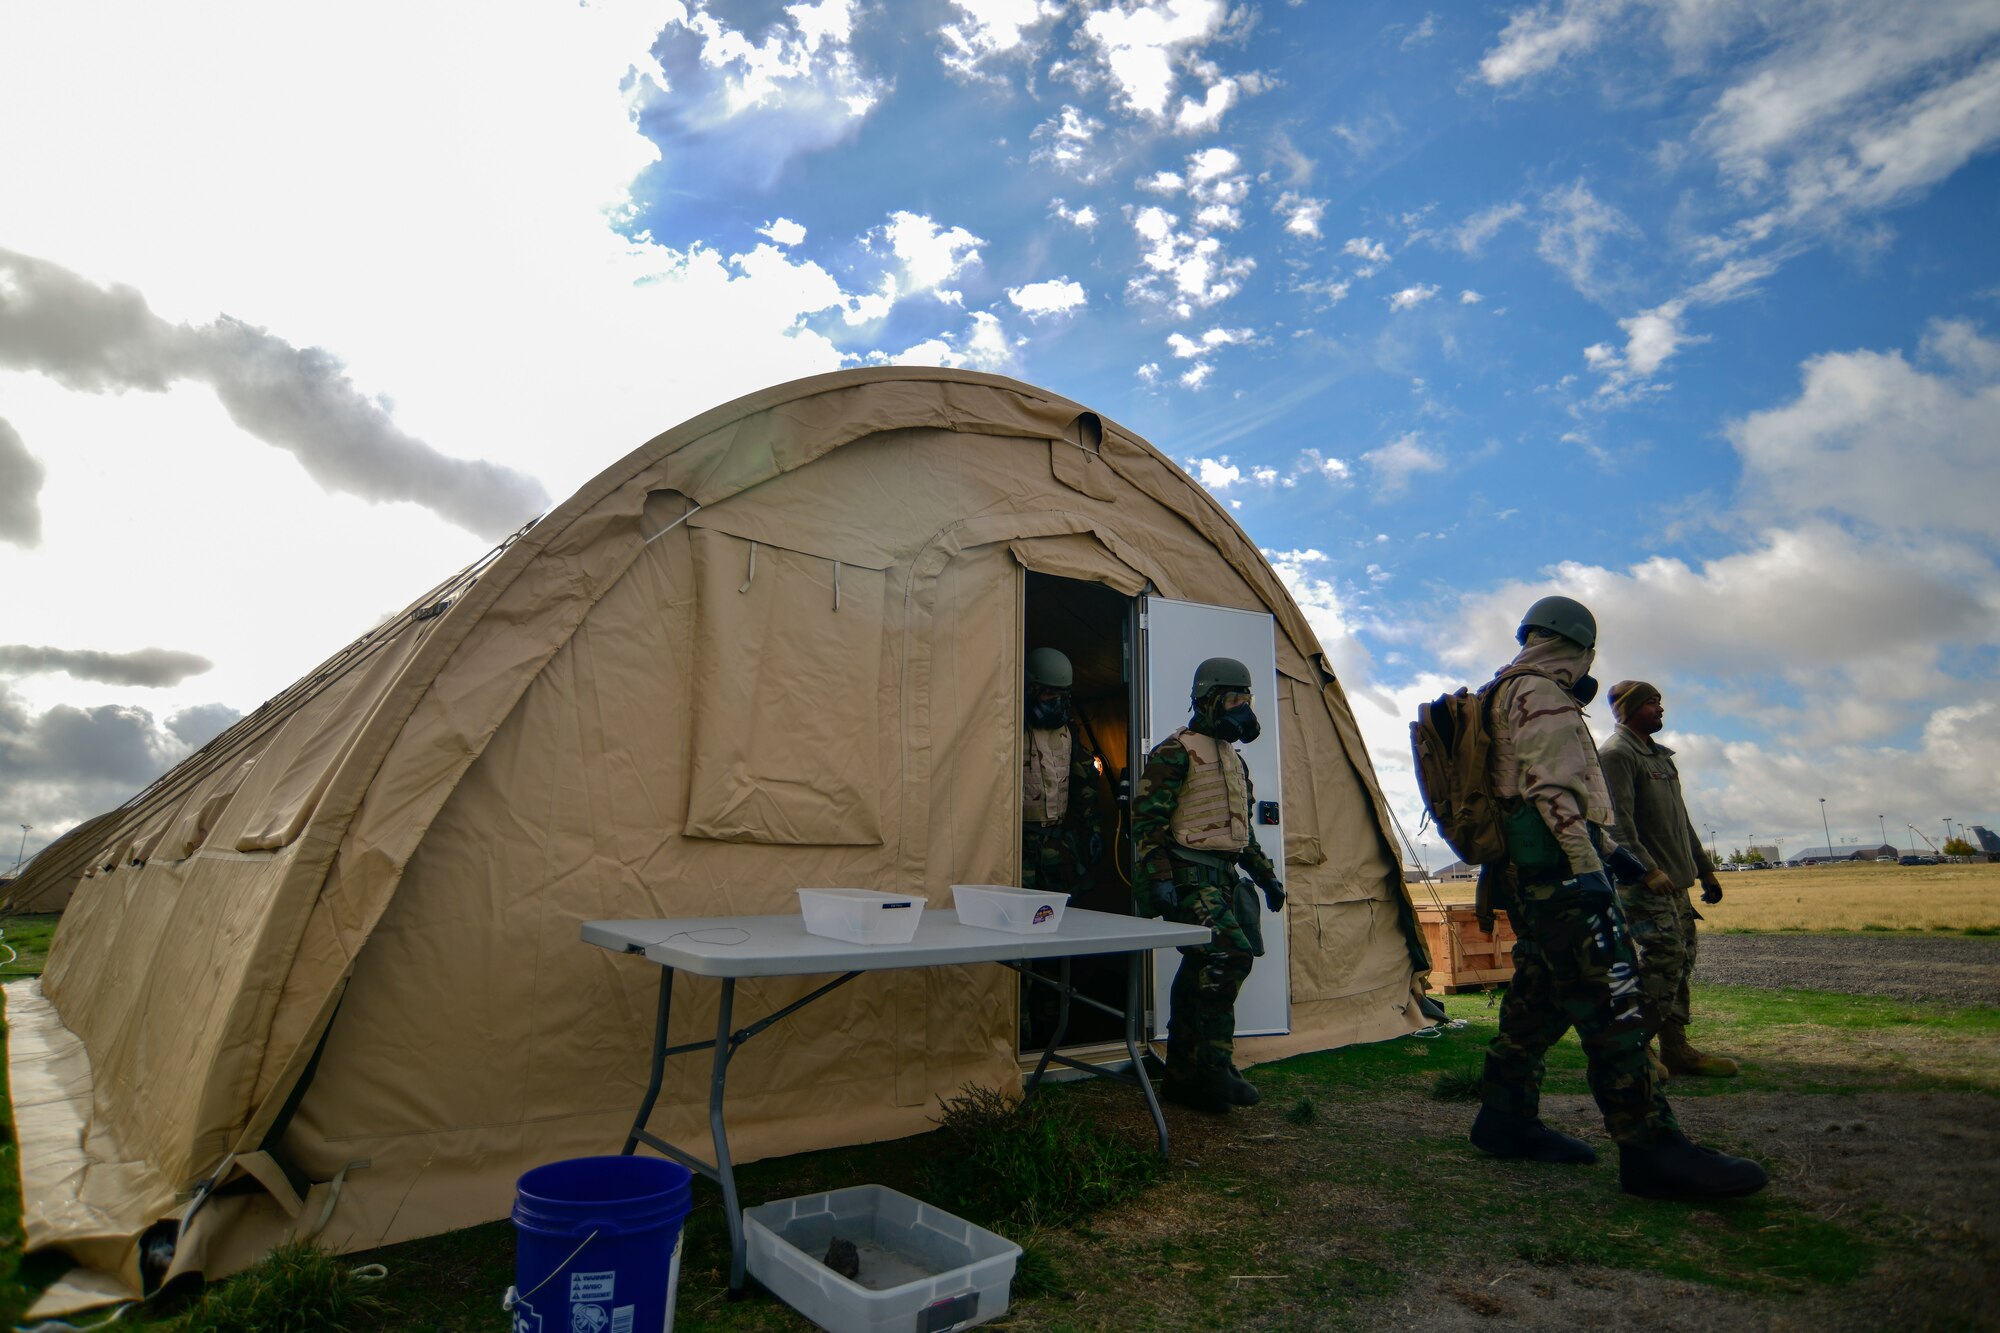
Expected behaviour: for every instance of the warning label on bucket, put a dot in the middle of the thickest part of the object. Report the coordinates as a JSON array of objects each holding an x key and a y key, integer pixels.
[{"x": 591, "y": 1286}]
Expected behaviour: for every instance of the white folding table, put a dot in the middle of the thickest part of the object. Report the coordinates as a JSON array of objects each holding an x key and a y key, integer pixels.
[{"x": 777, "y": 946}]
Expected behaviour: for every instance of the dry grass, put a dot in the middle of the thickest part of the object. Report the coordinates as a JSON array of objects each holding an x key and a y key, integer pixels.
[{"x": 1855, "y": 897}]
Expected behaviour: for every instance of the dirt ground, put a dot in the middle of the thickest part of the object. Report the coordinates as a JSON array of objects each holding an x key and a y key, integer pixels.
[
  {"x": 1925, "y": 1166},
  {"x": 1921, "y": 1167},
  {"x": 1917, "y": 1173}
]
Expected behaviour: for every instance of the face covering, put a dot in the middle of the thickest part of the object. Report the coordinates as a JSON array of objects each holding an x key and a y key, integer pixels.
[
  {"x": 1048, "y": 714},
  {"x": 1237, "y": 724},
  {"x": 1584, "y": 690}
]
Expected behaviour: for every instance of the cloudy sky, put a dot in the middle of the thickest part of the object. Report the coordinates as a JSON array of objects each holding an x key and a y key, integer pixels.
[{"x": 1687, "y": 308}]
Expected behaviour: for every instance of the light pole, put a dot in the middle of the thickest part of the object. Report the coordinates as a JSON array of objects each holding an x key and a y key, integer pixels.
[
  {"x": 1947, "y": 828},
  {"x": 1824, "y": 828},
  {"x": 24, "y": 848},
  {"x": 1879, "y": 821},
  {"x": 1711, "y": 847}
]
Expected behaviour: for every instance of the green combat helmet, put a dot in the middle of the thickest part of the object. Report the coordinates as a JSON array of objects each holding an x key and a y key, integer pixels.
[
  {"x": 1560, "y": 615},
  {"x": 1050, "y": 669},
  {"x": 1221, "y": 673}
]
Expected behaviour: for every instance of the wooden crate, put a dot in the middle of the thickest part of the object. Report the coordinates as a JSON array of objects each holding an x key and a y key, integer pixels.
[{"x": 1464, "y": 957}]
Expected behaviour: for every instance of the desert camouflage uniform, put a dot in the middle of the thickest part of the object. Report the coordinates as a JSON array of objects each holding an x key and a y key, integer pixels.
[
  {"x": 1201, "y": 1030},
  {"x": 1652, "y": 822},
  {"x": 1574, "y": 964},
  {"x": 1053, "y": 854}
]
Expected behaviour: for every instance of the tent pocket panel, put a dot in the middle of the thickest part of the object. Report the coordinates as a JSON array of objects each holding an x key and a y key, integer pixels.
[{"x": 785, "y": 726}]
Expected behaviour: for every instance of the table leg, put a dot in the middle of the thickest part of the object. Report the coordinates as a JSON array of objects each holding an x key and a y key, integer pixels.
[
  {"x": 1135, "y": 1019},
  {"x": 1062, "y": 1029},
  {"x": 725, "y": 1174},
  {"x": 659, "y": 1061}
]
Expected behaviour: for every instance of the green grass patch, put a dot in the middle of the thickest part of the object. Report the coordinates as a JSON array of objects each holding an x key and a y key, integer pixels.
[
  {"x": 298, "y": 1288},
  {"x": 1039, "y": 1163},
  {"x": 28, "y": 937}
]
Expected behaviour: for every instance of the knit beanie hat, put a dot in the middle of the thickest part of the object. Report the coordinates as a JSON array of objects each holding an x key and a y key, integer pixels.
[{"x": 1629, "y": 696}]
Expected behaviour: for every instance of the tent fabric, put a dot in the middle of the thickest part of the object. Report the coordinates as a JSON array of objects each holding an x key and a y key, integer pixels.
[{"x": 776, "y": 646}]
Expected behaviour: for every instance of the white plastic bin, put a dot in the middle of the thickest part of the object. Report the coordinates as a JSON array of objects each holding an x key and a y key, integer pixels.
[
  {"x": 862, "y": 916},
  {"x": 922, "y": 1269},
  {"x": 1004, "y": 907}
]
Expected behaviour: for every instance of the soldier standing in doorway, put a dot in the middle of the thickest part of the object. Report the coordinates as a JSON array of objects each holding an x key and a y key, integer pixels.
[
  {"x": 1061, "y": 827},
  {"x": 1574, "y": 964},
  {"x": 1192, "y": 827}
]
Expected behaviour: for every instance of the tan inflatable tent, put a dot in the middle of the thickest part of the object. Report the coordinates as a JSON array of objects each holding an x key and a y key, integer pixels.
[{"x": 331, "y": 965}]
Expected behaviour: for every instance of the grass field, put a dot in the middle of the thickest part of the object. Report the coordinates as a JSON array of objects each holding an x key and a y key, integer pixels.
[{"x": 1860, "y": 897}]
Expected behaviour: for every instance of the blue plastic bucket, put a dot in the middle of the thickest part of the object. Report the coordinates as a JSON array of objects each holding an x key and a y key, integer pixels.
[{"x": 597, "y": 1245}]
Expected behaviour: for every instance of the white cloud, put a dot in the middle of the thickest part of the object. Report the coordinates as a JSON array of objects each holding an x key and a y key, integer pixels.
[
  {"x": 1312, "y": 462},
  {"x": 1140, "y": 45},
  {"x": 1301, "y": 213},
  {"x": 1575, "y": 226},
  {"x": 1198, "y": 117},
  {"x": 1469, "y": 297},
  {"x": 1412, "y": 296},
  {"x": 1057, "y": 296},
  {"x": 1396, "y": 462},
  {"x": 1149, "y": 373},
  {"x": 1084, "y": 218},
  {"x": 1652, "y": 337},
  {"x": 1473, "y": 234},
  {"x": 981, "y": 345},
  {"x": 1896, "y": 445},
  {"x": 784, "y": 231},
  {"x": 1362, "y": 137},
  {"x": 1217, "y": 474},
  {"x": 1163, "y": 182},
  {"x": 931, "y": 255},
  {"x": 988, "y": 30},
  {"x": 1422, "y": 33},
  {"x": 1535, "y": 40},
  {"x": 1368, "y": 251},
  {"x": 1188, "y": 269},
  {"x": 1064, "y": 141}
]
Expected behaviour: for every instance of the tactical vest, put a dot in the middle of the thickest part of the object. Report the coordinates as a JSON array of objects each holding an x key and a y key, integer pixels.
[
  {"x": 1045, "y": 775},
  {"x": 1213, "y": 812}
]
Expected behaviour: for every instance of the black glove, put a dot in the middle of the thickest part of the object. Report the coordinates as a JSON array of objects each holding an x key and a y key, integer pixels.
[
  {"x": 1711, "y": 887},
  {"x": 1164, "y": 899},
  {"x": 1093, "y": 847},
  {"x": 1274, "y": 894},
  {"x": 1628, "y": 868},
  {"x": 1591, "y": 883}
]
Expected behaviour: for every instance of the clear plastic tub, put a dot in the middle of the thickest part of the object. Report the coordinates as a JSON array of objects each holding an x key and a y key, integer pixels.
[
  {"x": 862, "y": 916},
  {"x": 922, "y": 1269},
  {"x": 1004, "y": 907}
]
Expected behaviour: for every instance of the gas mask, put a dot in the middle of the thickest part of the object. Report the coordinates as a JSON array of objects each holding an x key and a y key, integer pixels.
[
  {"x": 1238, "y": 724},
  {"x": 1048, "y": 714}
]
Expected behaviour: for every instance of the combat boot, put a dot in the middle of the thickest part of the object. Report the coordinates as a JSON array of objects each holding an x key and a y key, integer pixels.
[
  {"x": 1674, "y": 1168},
  {"x": 1239, "y": 1090},
  {"x": 1504, "y": 1134},
  {"x": 1681, "y": 1058},
  {"x": 1658, "y": 1066},
  {"x": 1197, "y": 1094}
]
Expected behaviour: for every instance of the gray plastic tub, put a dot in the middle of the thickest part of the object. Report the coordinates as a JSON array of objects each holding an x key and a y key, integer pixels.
[{"x": 922, "y": 1269}]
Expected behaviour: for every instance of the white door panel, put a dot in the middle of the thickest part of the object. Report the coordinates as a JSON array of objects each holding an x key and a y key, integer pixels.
[{"x": 1176, "y": 637}]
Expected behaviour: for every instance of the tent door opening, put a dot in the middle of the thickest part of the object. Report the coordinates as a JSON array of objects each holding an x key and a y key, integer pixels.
[
  {"x": 1093, "y": 626},
  {"x": 1174, "y": 638}
]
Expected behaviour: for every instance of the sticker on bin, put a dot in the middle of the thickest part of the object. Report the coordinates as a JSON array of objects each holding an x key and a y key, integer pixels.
[
  {"x": 862, "y": 916},
  {"x": 1004, "y": 907}
]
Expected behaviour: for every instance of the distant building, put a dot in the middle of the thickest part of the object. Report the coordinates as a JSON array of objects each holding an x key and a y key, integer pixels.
[
  {"x": 1985, "y": 842},
  {"x": 1812, "y": 856},
  {"x": 1768, "y": 850}
]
